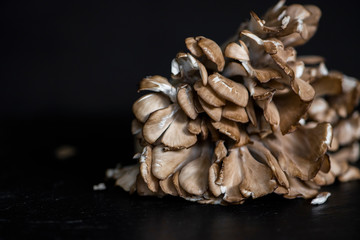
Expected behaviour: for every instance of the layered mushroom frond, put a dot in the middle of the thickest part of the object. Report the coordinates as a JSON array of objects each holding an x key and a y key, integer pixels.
[{"x": 246, "y": 119}]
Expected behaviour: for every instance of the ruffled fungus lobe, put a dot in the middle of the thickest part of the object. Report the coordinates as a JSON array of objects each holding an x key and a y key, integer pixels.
[{"x": 247, "y": 120}]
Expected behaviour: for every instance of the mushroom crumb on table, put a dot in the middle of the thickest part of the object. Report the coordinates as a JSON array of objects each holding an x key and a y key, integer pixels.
[{"x": 246, "y": 119}]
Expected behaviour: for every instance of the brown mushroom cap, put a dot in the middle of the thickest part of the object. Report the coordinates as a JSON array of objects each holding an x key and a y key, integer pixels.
[
  {"x": 234, "y": 69},
  {"x": 231, "y": 177},
  {"x": 264, "y": 155},
  {"x": 214, "y": 172},
  {"x": 229, "y": 128},
  {"x": 168, "y": 186},
  {"x": 186, "y": 101},
  {"x": 158, "y": 84},
  {"x": 193, "y": 177},
  {"x": 291, "y": 109},
  {"x": 158, "y": 122},
  {"x": 228, "y": 89},
  {"x": 300, "y": 189},
  {"x": 213, "y": 112},
  {"x": 235, "y": 51},
  {"x": 194, "y": 126},
  {"x": 207, "y": 94},
  {"x": 351, "y": 174},
  {"x": 145, "y": 169},
  {"x": 328, "y": 85},
  {"x": 212, "y": 51},
  {"x": 148, "y": 104},
  {"x": 177, "y": 135},
  {"x": 257, "y": 178},
  {"x": 348, "y": 130},
  {"x": 166, "y": 163},
  {"x": 235, "y": 113},
  {"x": 142, "y": 188},
  {"x": 220, "y": 150},
  {"x": 301, "y": 160},
  {"x": 192, "y": 45}
]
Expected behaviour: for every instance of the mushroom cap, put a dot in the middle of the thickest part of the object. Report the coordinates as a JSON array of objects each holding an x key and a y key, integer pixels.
[
  {"x": 158, "y": 84},
  {"x": 166, "y": 163},
  {"x": 177, "y": 135},
  {"x": 145, "y": 170},
  {"x": 207, "y": 94},
  {"x": 168, "y": 186},
  {"x": 185, "y": 99},
  {"x": 235, "y": 113},
  {"x": 158, "y": 122},
  {"x": 230, "y": 175},
  {"x": 228, "y": 89},
  {"x": 301, "y": 160},
  {"x": 212, "y": 51},
  {"x": 193, "y": 177},
  {"x": 148, "y": 104}
]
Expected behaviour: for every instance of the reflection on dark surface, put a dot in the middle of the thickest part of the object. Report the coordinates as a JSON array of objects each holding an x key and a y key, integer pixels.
[{"x": 47, "y": 197}]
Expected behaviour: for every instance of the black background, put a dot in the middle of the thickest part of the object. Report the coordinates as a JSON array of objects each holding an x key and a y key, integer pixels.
[{"x": 69, "y": 72}]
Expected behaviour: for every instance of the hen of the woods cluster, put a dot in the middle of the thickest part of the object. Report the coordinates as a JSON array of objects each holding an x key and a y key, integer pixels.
[{"x": 246, "y": 119}]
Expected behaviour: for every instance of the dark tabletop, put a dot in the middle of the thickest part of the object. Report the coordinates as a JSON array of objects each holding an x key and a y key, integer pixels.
[{"x": 42, "y": 196}]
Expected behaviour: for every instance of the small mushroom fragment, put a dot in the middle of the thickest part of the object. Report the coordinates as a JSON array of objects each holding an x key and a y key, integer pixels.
[
  {"x": 127, "y": 178},
  {"x": 321, "y": 198}
]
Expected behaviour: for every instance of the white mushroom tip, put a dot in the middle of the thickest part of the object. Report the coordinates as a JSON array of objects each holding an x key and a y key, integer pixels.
[
  {"x": 320, "y": 198},
  {"x": 137, "y": 156},
  {"x": 302, "y": 122},
  {"x": 329, "y": 135},
  {"x": 99, "y": 187},
  {"x": 175, "y": 68}
]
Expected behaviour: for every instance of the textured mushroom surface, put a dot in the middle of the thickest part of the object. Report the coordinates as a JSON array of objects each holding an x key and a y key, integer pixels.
[{"x": 247, "y": 118}]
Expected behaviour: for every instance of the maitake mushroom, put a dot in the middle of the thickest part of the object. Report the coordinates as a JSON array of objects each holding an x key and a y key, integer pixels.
[{"x": 246, "y": 120}]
